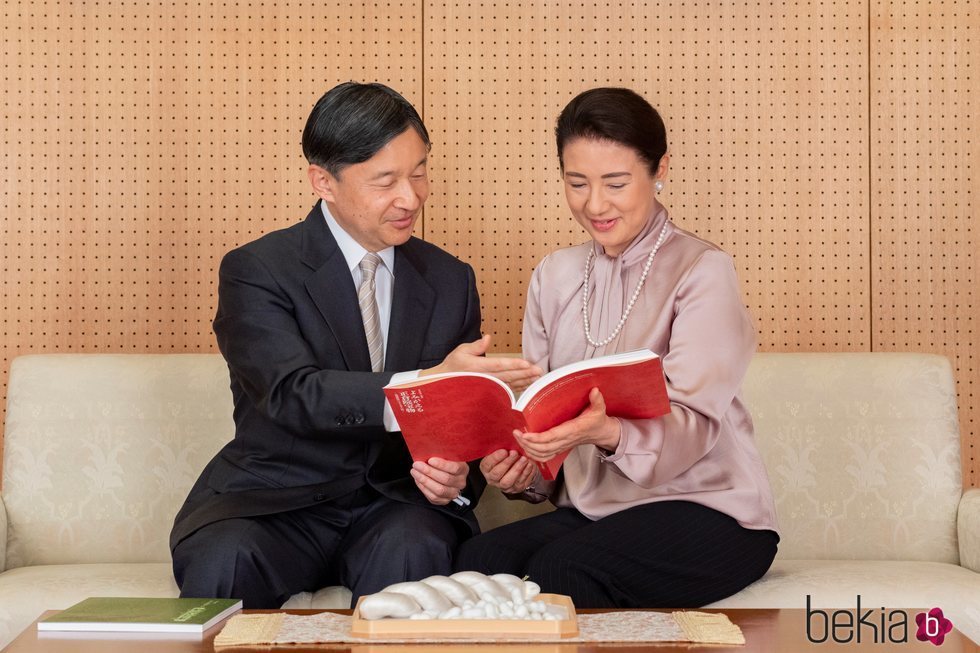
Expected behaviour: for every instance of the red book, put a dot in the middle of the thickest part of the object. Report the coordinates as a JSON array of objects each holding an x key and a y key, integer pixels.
[{"x": 467, "y": 415}]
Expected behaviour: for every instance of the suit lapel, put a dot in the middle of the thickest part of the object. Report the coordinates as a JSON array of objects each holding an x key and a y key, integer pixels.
[
  {"x": 413, "y": 300},
  {"x": 332, "y": 290}
]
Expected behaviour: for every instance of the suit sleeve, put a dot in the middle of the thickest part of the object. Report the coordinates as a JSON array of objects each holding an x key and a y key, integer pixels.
[
  {"x": 260, "y": 339},
  {"x": 471, "y": 329},
  {"x": 711, "y": 344}
]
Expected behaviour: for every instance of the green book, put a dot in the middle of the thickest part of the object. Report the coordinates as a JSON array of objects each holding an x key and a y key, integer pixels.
[{"x": 128, "y": 614}]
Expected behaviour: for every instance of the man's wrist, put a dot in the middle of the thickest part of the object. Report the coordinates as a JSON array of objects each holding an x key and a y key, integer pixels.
[{"x": 430, "y": 371}]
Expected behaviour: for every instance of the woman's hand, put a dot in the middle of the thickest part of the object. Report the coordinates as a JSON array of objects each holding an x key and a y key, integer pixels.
[
  {"x": 469, "y": 357},
  {"x": 508, "y": 470},
  {"x": 440, "y": 480},
  {"x": 592, "y": 426}
]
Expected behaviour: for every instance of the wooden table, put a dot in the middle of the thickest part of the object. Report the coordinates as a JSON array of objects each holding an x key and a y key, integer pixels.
[{"x": 769, "y": 631}]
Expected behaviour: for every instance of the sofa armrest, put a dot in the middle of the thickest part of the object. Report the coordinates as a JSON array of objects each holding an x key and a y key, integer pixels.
[
  {"x": 968, "y": 529},
  {"x": 3, "y": 535}
]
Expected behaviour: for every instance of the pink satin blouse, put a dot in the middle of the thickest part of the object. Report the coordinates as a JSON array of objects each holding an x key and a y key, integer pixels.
[{"x": 690, "y": 312}]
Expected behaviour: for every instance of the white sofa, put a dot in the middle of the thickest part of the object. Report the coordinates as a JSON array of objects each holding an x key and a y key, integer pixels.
[{"x": 863, "y": 451}]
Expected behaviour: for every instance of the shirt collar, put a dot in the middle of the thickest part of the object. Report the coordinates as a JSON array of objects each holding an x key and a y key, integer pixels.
[{"x": 352, "y": 250}]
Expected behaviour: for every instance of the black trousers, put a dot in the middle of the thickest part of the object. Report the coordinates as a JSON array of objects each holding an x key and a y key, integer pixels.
[
  {"x": 670, "y": 554},
  {"x": 363, "y": 541}
]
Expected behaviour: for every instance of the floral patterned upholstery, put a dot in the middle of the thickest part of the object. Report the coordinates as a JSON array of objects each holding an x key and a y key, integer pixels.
[
  {"x": 862, "y": 449},
  {"x": 101, "y": 449},
  {"x": 863, "y": 453},
  {"x": 26, "y": 592}
]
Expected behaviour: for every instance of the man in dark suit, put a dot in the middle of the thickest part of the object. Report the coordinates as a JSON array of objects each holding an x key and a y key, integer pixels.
[{"x": 317, "y": 487}]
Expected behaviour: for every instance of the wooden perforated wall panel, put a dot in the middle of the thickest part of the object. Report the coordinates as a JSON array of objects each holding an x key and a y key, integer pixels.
[
  {"x": 140, "y": 141},
  {"x": 925, "y": 126},
  {"x": 767, "y": 129}
]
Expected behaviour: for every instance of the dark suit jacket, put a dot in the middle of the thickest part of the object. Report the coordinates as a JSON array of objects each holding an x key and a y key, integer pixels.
[{"x": 308, "y": 410}]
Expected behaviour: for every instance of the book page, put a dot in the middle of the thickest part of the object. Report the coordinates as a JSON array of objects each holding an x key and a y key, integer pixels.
[
  {"x": 422, "y": 380},
  {"x": 622, "y": 358},
  {"x": 630, "y": 390}
]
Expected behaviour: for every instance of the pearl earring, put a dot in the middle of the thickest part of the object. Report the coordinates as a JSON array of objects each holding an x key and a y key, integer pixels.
[{"x": 658, "y": 186}]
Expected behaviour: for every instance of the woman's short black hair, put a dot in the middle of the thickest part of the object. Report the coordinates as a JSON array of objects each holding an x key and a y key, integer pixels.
[
  {"x": 352, "y": 121},
  {"x": 614, "y": 114}
]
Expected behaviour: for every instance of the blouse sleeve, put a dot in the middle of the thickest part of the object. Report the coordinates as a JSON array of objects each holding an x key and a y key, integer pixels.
[
  {"x": 534, "y": 335},
  {"x": 711, "y": 343}
]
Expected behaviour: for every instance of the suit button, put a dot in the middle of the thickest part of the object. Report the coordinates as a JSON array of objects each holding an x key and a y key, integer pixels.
[
  {"x": 359, "y": 419},
  {"x": 318, "y": 497},
  {"x": 349, "y": 420}
]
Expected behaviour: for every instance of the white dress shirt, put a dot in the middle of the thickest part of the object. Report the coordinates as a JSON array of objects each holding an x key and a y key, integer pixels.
[{"x": 384, "y": 282}]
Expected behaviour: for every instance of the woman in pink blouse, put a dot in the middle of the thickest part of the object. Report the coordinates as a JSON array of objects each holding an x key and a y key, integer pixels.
[{"x": 674, "y": 511}]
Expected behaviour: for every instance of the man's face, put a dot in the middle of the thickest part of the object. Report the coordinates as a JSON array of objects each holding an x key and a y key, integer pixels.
[{"x": 377, "y": 201}]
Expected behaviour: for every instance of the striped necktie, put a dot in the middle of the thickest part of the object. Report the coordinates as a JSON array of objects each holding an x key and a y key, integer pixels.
[{"x": 369, "y": 310}]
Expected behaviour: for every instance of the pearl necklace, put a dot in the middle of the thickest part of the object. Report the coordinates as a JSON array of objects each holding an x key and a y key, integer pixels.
[{"x": 636, "y": 293}]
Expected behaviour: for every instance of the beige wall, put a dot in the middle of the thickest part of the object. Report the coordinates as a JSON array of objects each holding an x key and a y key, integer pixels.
[{"x": 830, "y": 147}]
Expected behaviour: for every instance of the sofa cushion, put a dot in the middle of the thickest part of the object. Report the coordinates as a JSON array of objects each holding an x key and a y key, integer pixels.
[
  {"x": 863, "y": 452},
  {"x": 100, "y": 451},
  {"x": 888, "y": 584},
  {"x": 26, "y": 592}
]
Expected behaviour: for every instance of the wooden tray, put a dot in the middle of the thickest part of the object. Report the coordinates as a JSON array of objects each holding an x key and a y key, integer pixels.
[{"x": 468, "y": 628}]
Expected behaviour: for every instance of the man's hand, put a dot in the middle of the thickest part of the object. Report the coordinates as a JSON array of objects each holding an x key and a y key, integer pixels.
[
  {"x": 508, "y": 470},
  {"x": 592, "y": 426},
  {"x": 440, "y": 480},
  {"x": 469, "y": 357}
]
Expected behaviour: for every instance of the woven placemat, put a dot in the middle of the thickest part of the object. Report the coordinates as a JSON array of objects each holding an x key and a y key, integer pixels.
[
  {"x": 633, "y": 626},
  {"x": 709, "y": 628},
  {"x": 243, "y": 629}
]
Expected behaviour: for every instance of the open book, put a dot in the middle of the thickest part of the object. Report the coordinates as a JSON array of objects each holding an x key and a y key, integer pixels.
[{"x": 467, "y": 415}]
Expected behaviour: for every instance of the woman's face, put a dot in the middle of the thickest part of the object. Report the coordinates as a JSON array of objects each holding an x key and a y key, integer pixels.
[{"x": 609, "y": 190}]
